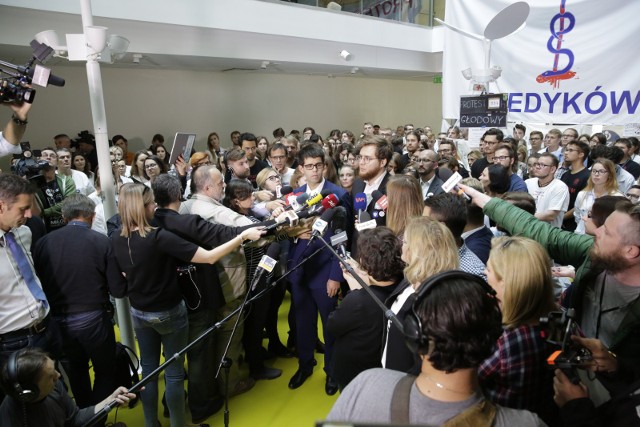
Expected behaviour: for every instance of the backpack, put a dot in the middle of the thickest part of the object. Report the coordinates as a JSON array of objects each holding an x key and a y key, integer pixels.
[{"x": 126, "y": 372}]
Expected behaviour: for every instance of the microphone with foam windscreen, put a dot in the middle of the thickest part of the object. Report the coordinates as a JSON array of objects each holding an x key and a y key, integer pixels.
[
  {"x": 295, "y": 202},
  {"x": 282, "y": 191},
  {"x": 338, "y": 226},
  {"x": 360, "y": 204},
  {"x": 380, "y": 204},
  {"x": 320, "y": 225},
  {"x": 267, "y": 263},
  {"x": 328, "y": 202},
  {"x": 53, "y": 80}
]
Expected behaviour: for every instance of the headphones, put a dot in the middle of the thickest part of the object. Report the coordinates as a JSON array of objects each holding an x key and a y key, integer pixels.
[
  {"x": 415, "y": 337},
  {"x": 28, "y": 393}
]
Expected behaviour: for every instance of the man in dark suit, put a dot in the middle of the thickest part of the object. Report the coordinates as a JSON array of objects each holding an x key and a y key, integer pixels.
[
  {"x": 427, "y": 162},
  {"x": 314, "y": 285}
]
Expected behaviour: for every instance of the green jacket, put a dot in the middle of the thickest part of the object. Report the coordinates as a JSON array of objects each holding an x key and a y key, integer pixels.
[{"x": 568, "y": 248}]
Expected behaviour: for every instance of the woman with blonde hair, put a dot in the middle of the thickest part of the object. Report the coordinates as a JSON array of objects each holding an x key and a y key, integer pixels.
[
  {"x": 405, "y": 201},
  {"x": 516, "y": 375},
  {"x": 428, "y": 248},
  {"x": 149, "y": 258},
  {"x": 602, "y": 182}
]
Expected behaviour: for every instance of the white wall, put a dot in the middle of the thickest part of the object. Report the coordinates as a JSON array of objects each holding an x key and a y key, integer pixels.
[{"x": 140, "y": 103}]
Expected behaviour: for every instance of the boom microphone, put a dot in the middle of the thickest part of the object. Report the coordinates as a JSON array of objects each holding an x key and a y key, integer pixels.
[{"x": 267, "y": 263}]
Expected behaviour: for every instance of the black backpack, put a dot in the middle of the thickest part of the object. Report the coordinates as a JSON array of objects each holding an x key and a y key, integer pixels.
[{"x": 126, "y": 373}]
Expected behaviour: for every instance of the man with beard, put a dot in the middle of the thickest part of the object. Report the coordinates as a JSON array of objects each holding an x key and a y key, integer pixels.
[
  {"x": 237, "y": 165},
  {"x": 427, "y": 164},
  {"x": 372, "y": 155},
  {"x": 605, "y": 295}
]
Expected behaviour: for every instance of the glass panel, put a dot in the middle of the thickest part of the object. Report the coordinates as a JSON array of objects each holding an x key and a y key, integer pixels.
[{"x": 410, "y": 11}]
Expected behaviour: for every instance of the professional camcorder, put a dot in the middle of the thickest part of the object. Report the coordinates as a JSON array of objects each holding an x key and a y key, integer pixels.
[
  {"x": 15, "y": 79},
  {"x": 557, "y": 329}
]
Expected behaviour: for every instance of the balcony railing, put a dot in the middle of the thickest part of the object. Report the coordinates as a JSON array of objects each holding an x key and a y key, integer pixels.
[{"x": 420, "y": 12}]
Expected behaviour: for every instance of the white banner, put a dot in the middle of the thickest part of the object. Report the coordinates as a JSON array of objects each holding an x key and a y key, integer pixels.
[{"x": 573, "y": 63}]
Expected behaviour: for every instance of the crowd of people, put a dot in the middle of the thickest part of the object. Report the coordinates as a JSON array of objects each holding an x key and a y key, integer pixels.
[{"x": 546, "y": 223}]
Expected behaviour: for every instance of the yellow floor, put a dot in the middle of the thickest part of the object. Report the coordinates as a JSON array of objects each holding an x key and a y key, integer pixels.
[{"x": 269, "y": 403}]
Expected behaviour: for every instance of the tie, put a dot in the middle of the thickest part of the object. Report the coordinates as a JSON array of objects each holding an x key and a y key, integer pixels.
[{"x": 25, "y": 269}]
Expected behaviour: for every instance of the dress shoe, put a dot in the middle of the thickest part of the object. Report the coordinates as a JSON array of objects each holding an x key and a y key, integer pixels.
[
  {"x": 267, "y": 374},
  {"x": 243, "y": 386},
  {"x": 299, "y": 378},
  {"x": 331, "y": 386},
  {"x": 280, "y": 350}
]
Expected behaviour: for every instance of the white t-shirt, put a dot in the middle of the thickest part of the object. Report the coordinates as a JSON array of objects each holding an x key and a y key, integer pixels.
[
  {"x": 552, "y": 197},
  {"x": 7, "y": 148}
]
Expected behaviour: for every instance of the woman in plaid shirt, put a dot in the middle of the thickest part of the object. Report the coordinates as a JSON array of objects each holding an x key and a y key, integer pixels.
[{"x": 516, "y": 375}]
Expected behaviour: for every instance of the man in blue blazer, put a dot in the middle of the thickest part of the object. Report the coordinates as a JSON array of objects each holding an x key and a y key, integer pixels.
[{"x": 315, "y": 284}]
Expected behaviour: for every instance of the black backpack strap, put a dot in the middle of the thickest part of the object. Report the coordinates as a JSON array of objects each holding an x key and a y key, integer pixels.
[{"x": 400, "y": 400}]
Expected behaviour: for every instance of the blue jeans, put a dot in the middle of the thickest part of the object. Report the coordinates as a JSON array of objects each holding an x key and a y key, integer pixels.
[{"x": 169, "y": 328}]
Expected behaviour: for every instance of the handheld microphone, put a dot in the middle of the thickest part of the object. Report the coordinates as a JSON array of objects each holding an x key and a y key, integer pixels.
[
  {"x": 320, "y": 225},
  {"x": 380, "y": 200},
  {"x": 328, "y": 202},
  {"x": 360, "y": 204},
  {"x": 267, "y": 263},
  {"x": 338, "y": 224},
  {"x": 313, "y": 201},
  {"x": 296, "y": 202},
  {"x": 282, "y": 191}
]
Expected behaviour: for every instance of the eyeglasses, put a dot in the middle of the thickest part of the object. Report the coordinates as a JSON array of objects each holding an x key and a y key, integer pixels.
[
  {"x": 311, "y": 167},
  {"x": 151, "y": 166},
  {"x": 273, "y": 178},
  {"x": 598, "y": 172},
  {"x": 501, "y": 158},
  {"x": 424, "y": 161},
  {"x": 365, "y": 159},
  {"x": 541, "y": 165},
  {"x": 633, "y": 196}
]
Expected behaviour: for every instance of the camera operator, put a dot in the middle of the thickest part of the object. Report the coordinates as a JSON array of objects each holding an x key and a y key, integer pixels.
[
  {"x": 52, "y": 190},
  {"x": 14, "y": 130},
  {"x": 606, "y": 299}
]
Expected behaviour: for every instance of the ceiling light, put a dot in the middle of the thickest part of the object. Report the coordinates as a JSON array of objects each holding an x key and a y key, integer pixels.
[{"x": 345, "y": 55}]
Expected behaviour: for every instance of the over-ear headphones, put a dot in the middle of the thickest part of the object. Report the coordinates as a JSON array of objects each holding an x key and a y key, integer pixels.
[
  {"x": 415, "y": 337},
  {"x": 26, "y": 393}
]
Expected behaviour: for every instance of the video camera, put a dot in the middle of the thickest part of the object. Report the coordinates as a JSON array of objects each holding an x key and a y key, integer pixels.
[
  {"x": 557, "y": 328},
  {"x": 14, "y": 87}
]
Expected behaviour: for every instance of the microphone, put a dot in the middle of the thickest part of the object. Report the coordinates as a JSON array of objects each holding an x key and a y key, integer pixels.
[
  {"x": 296, "y": 202},
  {"x": 360, "y": 204},
  {"x": 313, "y": 201},
  {"x": 282, "y": 191},
  {"x": 53, "y": 80},
  {"x": 380, "y": 200},
  {"x": 320, "y": 225},
  {"x": 380, "y": 204},
  {"x": 338, "y": 225},
  {"x": 331, "y": 201},
  {"x": 267, "y": 263}
]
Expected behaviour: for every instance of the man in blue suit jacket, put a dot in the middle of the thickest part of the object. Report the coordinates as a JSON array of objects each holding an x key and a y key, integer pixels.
[{"x": 315, "y": 284}]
